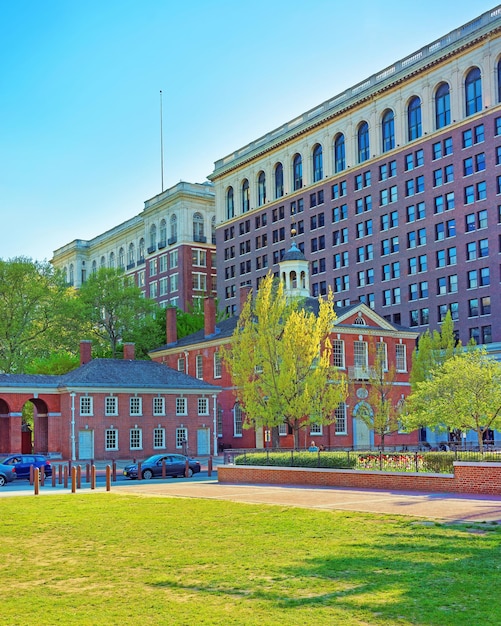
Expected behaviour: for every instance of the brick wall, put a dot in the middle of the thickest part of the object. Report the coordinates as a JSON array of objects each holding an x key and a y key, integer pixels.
[{"x": 474, "y": 478}]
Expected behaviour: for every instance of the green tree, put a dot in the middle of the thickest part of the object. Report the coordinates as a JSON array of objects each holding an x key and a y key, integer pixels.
[
  {"x": 381, "y": 410},
  {"x": 463, "y": 393},
  {"x": 113, "y": 308},
  {"x": 433, "y": 350},
  {"x": 56, "y": 363},
  {"x": 280, "y": 361},
  {"x": 33, "y": 302}
]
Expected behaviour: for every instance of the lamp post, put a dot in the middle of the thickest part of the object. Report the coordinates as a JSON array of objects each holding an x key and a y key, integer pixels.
[
  {"x": 214, "y": 427},
  {"x": 73, "y": 451}
]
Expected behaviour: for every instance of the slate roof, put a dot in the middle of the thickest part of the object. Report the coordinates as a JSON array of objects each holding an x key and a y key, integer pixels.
[{"x": 113, "y": 373}]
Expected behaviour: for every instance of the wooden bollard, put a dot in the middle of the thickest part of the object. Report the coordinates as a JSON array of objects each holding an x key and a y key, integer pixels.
[
  {"x": 31, "y": 474},
  {"x": 42, "y": 477},
  {"x": 164, "y": 469},
  {"x": 79, "y": 477},
  {"x": 36, "y": 477},
  {"x": 60, "y": 472},
  {"x": 54, "y": 476},
  {"x": 187, "y": 469},
  {"x": 209, "y": 466},
  {"x": 65, "y": 477},
  {"x": 114, "y": 471},
  {"x": 73, "y": 479},
  {"x": 93, "y": 477},
  {"x": 87, "y": 473},
  {"x": 108, "y": 478},
  {"x": 139, "y": 472}
]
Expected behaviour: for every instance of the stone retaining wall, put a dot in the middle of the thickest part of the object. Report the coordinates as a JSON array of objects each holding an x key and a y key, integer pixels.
[{"x": 472, "y": 478}]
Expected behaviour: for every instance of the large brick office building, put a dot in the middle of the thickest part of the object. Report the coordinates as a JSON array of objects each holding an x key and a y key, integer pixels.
[{"x": 393, "y": 188}]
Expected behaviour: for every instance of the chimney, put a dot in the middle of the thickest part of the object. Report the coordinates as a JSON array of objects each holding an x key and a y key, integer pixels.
[
  {"x": 129, "y": 351},
  {"x": 209, "y": 316},
  {"x": 243, "y": 295},
  {"x": 85, "y": 351},
  {"x": 171, "y": 324}
]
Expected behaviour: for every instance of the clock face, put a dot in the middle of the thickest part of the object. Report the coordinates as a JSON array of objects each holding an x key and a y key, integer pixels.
[{"x": 362, "y": 393}]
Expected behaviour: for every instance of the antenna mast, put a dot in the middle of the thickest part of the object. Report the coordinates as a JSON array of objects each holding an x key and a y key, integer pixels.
[{"x": 161, "y": 142}]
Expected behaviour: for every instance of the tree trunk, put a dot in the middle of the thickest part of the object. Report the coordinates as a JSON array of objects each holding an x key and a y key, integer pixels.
[{"x": 480, "y": 436}]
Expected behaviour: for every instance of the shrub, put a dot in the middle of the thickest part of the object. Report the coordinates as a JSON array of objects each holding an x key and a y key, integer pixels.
[{"x": 331, "y": 460}]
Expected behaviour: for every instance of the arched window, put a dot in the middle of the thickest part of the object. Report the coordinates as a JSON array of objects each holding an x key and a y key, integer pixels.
[
  {"x": 121, "y": 258},
  {"x": 153, "y": 238},
  {"x": 297, "y": 172},
  {"x": 131, "y": 256},
  {"x": 173, "y": 229},
  {"x": 141, "y": 250},
  {"x": 102, "y": 262},
  {"x": 72, "y": 274},
  {"x": 163, "y": 233},
  {"x": 198, "y": 228},
  {"x": 442, "y": 106},
  {"x": 473, "y": 91},
  {"x": 237, "y": 420},
  {"x": 261, "y": 189},
  {"x": 318, "y": 167},
  {"x": 339, "y": 154},
  {"x": 213, "y": 230},
  {"x": 230, "y": 204},
  {"x": 245, "y": 196},
  {"x": 111, "y": 262},
  {"x": 388, "y": 131},
  {"x": 94, "y": 266},
  {"x": 279, "y": 180},
  {"x": 363, "y": 142},
  {"x": 414, "y": 119}
]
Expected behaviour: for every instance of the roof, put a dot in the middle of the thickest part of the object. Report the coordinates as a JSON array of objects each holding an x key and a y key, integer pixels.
[{"x": 113, "y": 373}]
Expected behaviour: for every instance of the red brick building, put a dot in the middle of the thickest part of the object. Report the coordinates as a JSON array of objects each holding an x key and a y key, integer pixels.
[
  {"x": 357, "y": 327},
  {"x": 108, "y": 409}
]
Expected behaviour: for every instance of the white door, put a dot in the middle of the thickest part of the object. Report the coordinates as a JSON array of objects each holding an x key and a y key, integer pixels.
[
  {"x": 203, "y": 441},
  {"x": 85, "y": 444},
  {"x": 362, "y": 439}
]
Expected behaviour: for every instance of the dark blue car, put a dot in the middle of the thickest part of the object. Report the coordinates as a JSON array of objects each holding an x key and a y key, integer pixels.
[
  {"x": 7, "y": 474},
  {"x": 175, "y": 465},
  {"x": 22, "y": 463}
]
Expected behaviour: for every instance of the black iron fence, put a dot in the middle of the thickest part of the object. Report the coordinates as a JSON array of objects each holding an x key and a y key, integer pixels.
[{"x": 369, "y": 460}]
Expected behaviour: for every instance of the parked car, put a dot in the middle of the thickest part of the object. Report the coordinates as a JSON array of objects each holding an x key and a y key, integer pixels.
[
  {"x": 175, "y": 465},
  {"x": 22, "y": 463},
  {"x": 7, "y": 474}
]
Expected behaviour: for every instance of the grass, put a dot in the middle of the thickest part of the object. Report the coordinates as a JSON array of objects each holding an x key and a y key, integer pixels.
[{"x": 116, "y": 559}]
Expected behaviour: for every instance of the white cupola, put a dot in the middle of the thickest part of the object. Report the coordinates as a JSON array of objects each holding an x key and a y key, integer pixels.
[{"x": 295, "y": 272}]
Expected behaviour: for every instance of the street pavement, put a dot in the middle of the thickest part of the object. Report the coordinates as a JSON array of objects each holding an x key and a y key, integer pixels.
[{"x": 442, "y": 507}]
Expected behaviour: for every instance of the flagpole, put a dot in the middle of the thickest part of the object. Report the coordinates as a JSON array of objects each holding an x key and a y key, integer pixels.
[{"x": 161, "y": 142}]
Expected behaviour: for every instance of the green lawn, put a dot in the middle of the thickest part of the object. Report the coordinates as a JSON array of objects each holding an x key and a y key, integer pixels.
[{"x": 110, "y": 559}]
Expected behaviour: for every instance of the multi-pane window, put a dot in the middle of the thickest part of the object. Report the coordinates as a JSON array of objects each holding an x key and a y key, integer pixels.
[
  {"x": 237, "y": 421},
  {"x": 382, "y": 354},
  {"x": 181, "y": 406},
  {"x": 181, "y": 438},
  {"x": 136, "y": 406},
  {"x": 338, "y": 353},
  {"x": 360, "y": 355},
  {"x": 111, "y": 439},
  {"x": 158, "y": 438},
  {"x": 111, "y": 405},
  {"x": 340, "y": 424},
  {"x": 401, "y": 357},
  {"x": 473, "y": 91},
  {"x": 363, "y": 142},
  {"x": 158, "y": 406},
  {"x": 442, "y": 106},
  {"x": 199, "y": 366},
  {"x": 217, "y": 365},
  {"x": 203, "y": 406},
  {"x": 86, "y": 405},
  {"x": 136, "y": 439}
]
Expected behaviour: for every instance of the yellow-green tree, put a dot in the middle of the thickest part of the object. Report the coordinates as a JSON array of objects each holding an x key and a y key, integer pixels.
[
  {"x": 381, "y": 409},
  {"x": 280, "y": 361},
  {"x": 463, "y": 393}
]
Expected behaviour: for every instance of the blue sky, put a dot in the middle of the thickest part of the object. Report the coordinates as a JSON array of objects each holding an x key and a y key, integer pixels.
[{"x": 80, "y": 93}]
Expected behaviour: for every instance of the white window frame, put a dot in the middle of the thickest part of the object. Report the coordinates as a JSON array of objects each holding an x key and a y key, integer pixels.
[
  {"x": 199, "y": 366},
  {"x": 111, "y": 439},
  {"x": 181, "y": 406},
  {"x": 218, "y": 365},
  {"x": 86, "y": 405},
  {"x": 237, "y": 421},
  {"x": 135, "y": 406},
  {"x": 339, "y": 353},
  {"x": 203, "y": 406},
  {"x": 181, "y": 436},
  {"x": 316, "y": 429},
  {"x": 340, "y": 424},
  {"x": 381, "y": 346},
  {"x": 136, "y": 439},
  {"x": 111, "y": 405},
  {"x": 401, "y": 359},
  {"x": 159, "y": 438},
  {"x": 158, "y": 406}
]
